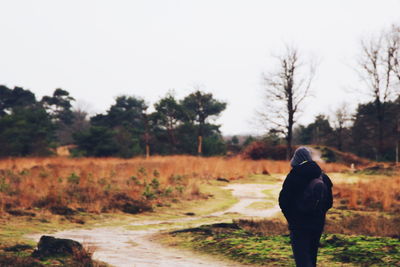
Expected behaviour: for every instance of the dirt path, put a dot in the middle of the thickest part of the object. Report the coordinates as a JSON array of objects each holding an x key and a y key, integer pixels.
[
  {"x": 135, "y": 248},
  {"x": 248, "y": 194}
]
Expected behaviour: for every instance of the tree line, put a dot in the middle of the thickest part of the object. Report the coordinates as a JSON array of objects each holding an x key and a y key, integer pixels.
[
  {"x": 356, "y": 132},
  {"x": 373, "y": 131},
  {"x": 33, "y": 127},
  {"x": 29, "y": 126}
]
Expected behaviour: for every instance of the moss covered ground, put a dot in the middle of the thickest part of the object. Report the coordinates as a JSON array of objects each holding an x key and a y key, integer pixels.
[{"x": 229, "y": 240}]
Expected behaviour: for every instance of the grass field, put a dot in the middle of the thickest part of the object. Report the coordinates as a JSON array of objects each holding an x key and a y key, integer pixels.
[
  {"x": 65, "y": 185},
  {"x": 51, "y": 194}
]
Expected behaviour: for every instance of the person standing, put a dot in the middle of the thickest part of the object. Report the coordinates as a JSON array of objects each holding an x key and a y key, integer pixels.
[{"x": 305, "y": 198}]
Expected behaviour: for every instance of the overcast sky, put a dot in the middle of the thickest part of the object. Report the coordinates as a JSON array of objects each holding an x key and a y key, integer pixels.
[{"x": 98, "y": 50}]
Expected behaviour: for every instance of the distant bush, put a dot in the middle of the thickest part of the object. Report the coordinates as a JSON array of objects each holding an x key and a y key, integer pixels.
[
  {"x": 261, "y": 150},
  {"x": 332, "y": 155}
]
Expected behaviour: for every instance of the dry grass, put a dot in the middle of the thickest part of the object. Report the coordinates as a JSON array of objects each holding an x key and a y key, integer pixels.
[
  {"x": 338, "y": 222},
  {"x": 379, "y": 194},
  {"x": 168, "y": 165},
  {"x": 265, "y": 227},
  {"x": 363, "y": 223},
  {"x": 102, "y": 184}
]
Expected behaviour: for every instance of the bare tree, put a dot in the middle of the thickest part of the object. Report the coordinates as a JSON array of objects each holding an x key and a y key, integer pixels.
[
  {"x": 286, "y": 87},
  {"x": 78, "y": 123},
  {"x": 379, "y": 64},
  {"x": 393, "y": 43},
  {"x": 341, "y": 117},
  {"x": 394, "y": 48}
]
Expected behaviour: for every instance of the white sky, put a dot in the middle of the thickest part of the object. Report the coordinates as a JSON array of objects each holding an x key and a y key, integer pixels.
[{"x": 101, "y": 49}]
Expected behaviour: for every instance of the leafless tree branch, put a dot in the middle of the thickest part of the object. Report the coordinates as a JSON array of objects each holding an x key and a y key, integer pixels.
[{"x": 286, "y": 88}]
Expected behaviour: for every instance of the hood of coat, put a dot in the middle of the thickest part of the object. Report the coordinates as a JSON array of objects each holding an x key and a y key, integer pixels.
[
  {"x": 307, "y": 171},
  {"x": 301, "y": 155}
]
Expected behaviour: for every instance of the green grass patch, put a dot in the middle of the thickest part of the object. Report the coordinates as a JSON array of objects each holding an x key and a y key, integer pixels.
[
  {"x": 245, "y": 247},
  {"x": 362, "y": 250}
]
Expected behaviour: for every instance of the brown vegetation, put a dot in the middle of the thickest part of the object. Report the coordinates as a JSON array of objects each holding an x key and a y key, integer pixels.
[
  {"x": 377, "y": 195},
  {"x": 65, "y": 185},
  {"x": 262, "y": 150},
  {"x": 338, "y": 222}
]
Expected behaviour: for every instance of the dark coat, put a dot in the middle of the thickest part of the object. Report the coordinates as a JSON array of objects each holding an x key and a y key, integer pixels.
[{"x": 292, "y": 189}]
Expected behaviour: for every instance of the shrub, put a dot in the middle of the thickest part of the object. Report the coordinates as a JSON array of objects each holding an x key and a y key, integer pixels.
[
  {"x": 261, "y": 150},
  {"x": 73, "y": 178}
]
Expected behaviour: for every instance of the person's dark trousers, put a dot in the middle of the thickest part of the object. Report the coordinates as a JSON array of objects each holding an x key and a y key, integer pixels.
[{"x": 305, "y": 245}]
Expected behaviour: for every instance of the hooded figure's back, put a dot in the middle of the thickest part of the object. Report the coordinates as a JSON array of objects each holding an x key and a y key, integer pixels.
[{"x": 303, "y": 172}]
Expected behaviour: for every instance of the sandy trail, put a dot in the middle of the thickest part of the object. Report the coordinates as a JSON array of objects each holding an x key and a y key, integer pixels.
[
  {"x": 135, "y": 248},
  {"x": 120, "y": 247}
]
